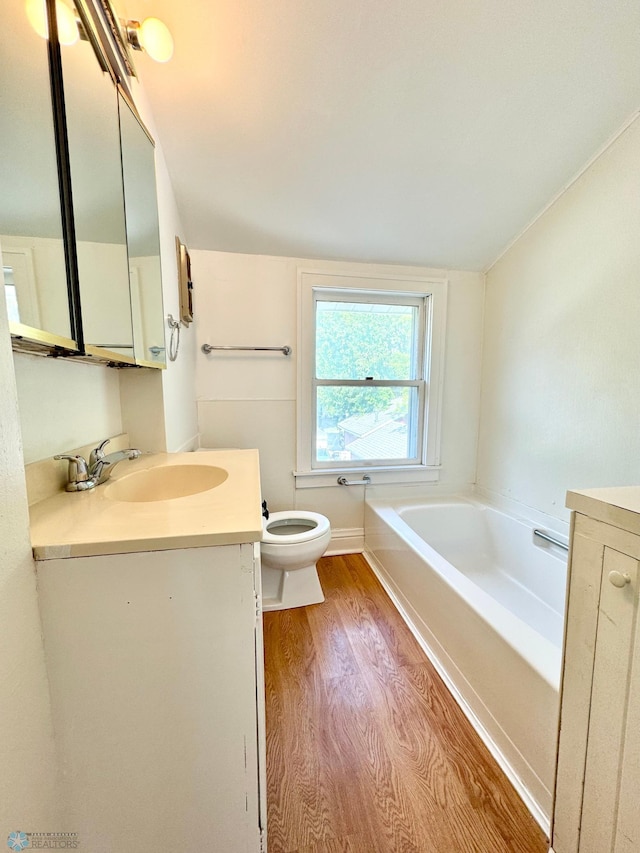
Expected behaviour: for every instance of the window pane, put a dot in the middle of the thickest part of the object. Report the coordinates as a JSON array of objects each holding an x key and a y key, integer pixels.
[
  {"x": 366, "y": 423},
  {"x": 11, "y": 296},
  {"x": 357, "y": 339}
]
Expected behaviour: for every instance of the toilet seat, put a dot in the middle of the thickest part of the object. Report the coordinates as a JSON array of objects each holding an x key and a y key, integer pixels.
[{"x": 318, "y": 525}]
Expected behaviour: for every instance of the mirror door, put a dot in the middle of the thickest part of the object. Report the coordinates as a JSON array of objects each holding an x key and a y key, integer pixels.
[
  {"x": 93, "y": 134},
  {"x": 143, "y": 238},
  {"x": 31, "y": 223},
  {"x": 79, "y": 237}
]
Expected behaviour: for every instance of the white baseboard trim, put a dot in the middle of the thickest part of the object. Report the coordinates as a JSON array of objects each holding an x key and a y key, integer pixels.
[
  {"x": 347, "y": 540},
  {"x": 532, "y": 805}
]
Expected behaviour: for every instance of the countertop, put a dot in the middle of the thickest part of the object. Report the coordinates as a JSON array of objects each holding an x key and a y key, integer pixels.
[
  {"x": 87, "y": 524},
  {"x": 618, "y": 506}
]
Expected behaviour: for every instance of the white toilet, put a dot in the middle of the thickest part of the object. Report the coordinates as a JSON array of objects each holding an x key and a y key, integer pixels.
[{"x": 292, "y": 543}]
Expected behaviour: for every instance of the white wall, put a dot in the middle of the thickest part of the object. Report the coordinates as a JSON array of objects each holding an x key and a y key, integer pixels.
[
  {"x": 64, "y": 404},
  {"x": 178, "y": 380},
  {"x": 179, "y": 385},
  {"x": 560, "y": 388},
  {"x": 249, "y": 399},
  {"x": 28, "y": 782}
]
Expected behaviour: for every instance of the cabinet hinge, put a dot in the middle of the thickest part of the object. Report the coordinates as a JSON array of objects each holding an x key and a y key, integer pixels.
[
  {"x": 258, "y": 602},
  {"x": 263, "y": 841}
]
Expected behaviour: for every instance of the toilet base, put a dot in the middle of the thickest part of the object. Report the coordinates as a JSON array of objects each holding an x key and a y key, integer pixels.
[{"x": 283, "y": 590}]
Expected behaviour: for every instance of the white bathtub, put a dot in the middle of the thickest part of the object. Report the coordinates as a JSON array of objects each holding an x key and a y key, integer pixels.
[{"x": 486, "y": 599}]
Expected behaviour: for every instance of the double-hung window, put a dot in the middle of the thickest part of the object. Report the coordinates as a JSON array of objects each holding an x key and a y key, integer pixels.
[
  {"x": 368, "y": 375},
  {"x": 368, "y": 384}
]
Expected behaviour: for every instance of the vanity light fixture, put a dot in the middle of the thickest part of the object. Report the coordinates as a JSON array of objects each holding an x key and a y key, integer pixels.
[
  {"x": 36, "y": 11},
  {"x": 152, "y": 36}
]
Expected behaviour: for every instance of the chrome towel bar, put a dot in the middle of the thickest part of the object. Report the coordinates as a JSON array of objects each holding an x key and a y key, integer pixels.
[
  {"x": 542, "y": 535},
  {"x": 207, "y": 348},
  {"x": 342, "y": 481}
]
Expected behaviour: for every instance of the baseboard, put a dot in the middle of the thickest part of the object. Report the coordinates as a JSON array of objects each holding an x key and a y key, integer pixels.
[
  {"x": 347, "y": 540},
  {"x": 529, "y": 800}
]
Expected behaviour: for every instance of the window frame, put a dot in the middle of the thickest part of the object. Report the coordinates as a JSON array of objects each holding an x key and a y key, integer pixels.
[
  {"x": 351, "y": 296},
  {"x": 377, "y": 287}
]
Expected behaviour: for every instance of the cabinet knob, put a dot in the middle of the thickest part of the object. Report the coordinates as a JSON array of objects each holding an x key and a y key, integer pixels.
[{"x": 619, "y": 580}]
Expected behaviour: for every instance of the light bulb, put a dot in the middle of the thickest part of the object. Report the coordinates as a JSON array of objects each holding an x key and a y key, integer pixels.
[
  {"x": 67, "y": 24},
  {"x": 155, "y": 38},
  {"x": 36, "y": 11}
]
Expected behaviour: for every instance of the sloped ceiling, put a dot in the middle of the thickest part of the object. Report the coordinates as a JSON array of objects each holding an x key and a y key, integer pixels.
[{"x": 402, "y": 131}]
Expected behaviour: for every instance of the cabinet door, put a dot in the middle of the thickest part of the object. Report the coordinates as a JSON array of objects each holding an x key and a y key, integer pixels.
[
  {"x": 582, "y": 620},
  {"x": 609, "y": 699},
  {"x": 261, "y": 740},
  {"x": 152, "y": 667},
  {"x": 628, "y": 823}
]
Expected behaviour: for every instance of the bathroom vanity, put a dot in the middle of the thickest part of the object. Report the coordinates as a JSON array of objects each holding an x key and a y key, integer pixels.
[
  {"x": 598, "y": 772},
  {"x": 151, "y": 612}
]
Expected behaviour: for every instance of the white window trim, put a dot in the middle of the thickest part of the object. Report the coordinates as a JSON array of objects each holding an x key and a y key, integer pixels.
[
  {"x": 417, "y": 380},
  {"x": 436, "y": 289}
]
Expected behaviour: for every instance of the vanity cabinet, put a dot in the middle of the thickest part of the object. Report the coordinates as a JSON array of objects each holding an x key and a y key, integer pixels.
[
  {"x": 155, "y": 665},
  {"x": 598, "y": 772}
]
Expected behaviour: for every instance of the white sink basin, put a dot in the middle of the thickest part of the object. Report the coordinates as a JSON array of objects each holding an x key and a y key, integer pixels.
[{"x": 166, "y": 483}]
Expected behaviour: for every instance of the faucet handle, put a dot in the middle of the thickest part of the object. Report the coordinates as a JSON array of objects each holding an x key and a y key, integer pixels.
[
  {"x": 98, "y": 453},
  {"x": 78, "y": 471}
]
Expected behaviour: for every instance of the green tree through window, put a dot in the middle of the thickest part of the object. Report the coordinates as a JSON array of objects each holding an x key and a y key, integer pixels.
[
  {"x": 356, "y": 341},
  {"x": 365, "y": 342}
]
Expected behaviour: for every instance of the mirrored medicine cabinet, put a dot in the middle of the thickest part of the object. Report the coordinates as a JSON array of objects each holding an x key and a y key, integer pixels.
[{"x": 79, "y": 232}]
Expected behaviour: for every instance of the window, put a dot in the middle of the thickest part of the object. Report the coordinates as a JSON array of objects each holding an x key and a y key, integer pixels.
[
  {"x": 11, "y": 296},
  {"x": 368, "y": 383},
  {"x": 368, "y": 392}
]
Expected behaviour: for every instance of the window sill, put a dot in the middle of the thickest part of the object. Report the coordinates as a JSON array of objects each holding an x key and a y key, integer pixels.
[{"x": 379, "y": 476}]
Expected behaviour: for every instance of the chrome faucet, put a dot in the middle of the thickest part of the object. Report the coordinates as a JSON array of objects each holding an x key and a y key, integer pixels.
[
  {"x": 101, "y": 465},
  {"x": 82, "y": 476},
  {"x": 78, "y": 479}
]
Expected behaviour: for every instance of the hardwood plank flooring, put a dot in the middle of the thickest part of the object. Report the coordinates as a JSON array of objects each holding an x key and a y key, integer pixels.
[{"x": 367, "y": 752}]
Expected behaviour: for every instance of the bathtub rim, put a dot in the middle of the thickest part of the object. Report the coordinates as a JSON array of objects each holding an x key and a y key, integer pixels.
[{"x": 472, "y": 491}]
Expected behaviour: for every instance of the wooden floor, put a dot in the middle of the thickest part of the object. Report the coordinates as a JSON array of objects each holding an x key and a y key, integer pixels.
[{"x": 367, "y": 752}]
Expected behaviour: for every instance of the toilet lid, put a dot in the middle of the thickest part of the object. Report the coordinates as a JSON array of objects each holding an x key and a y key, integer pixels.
[{"x": 287, "y": 528}]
